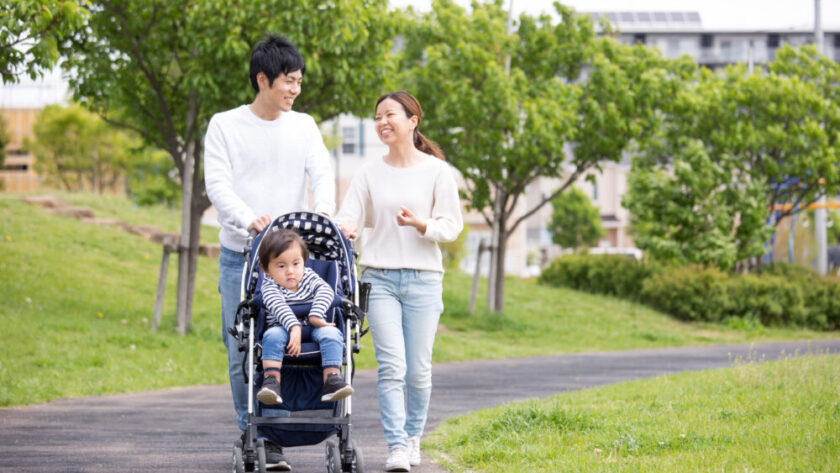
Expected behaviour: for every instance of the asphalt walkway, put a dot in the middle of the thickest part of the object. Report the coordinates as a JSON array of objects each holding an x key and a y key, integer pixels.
[{"x": 192, "y": 429}]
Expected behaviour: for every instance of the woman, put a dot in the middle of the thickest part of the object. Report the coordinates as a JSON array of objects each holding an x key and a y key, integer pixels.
[{"x": 409, "y": 200}]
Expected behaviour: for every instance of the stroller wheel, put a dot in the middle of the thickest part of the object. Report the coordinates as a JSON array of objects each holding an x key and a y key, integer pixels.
[
  {"x": 333, "y": 457},
  {"x": 238, "y": 462},
  {"x": 261, "y": 455},
  {"x": 357, "y": 463}
]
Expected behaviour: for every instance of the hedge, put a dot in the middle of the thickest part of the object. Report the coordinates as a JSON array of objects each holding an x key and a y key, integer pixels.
[
  {"x": 601, "y": 274},
  {"x": 778, "y": 295}
]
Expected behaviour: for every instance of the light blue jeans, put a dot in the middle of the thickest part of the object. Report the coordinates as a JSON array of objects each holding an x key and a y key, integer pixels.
[
  {"x": 405, "y": 306},
  {"x": 230, "y": 279},
  {"x": 329, "y": 339}
]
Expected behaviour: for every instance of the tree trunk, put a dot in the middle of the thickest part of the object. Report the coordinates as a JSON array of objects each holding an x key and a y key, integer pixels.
[
  {"x": 192, "y": 208},
  {"x": 496, "y": 280},
  {"x": 184, "y": 298},
  {"x": 501, "y": 248}
]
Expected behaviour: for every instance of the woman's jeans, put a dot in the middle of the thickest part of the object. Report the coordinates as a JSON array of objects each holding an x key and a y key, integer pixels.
[
  {"x": 329, "y": 339},
  {"x": 231, "y": 264},
  {"x": 405, "y": 306}
]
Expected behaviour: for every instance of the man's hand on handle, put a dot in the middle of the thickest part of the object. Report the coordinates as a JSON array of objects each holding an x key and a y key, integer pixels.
[{"x": 260, "y": 223}]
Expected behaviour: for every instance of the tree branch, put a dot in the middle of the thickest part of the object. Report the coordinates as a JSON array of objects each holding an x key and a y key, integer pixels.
[
  {"x": 169, "y": 131},
  {"x": 578, "y": 171}
]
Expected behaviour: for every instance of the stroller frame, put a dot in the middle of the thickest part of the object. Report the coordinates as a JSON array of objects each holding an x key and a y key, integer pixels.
[{"x": 343, "y": 455}]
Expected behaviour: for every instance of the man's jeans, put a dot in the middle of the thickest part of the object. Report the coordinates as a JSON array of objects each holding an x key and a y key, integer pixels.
[
  {"x": 329, "y": 339},
  {"x": 405, "y": 306},
  {"x": 231, "y": 264}
]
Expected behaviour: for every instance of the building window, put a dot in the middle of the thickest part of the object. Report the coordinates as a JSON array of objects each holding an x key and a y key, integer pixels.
[
  {"x": 349, "y": 139},
  {"x": 773, "y": 40},
  {"x": 706, "y": 41},
  {"x": 639, "y": 39}
]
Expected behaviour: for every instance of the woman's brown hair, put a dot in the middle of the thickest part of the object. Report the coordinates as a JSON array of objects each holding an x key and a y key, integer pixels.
[{"x": 412, "y": 108}]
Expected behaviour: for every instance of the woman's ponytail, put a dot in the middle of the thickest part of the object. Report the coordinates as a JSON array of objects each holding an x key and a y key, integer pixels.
[{"x": 427, "y": 146}]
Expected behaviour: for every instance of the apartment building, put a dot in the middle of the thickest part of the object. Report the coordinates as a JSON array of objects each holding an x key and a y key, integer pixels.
[{"x": 20, "y": 104}]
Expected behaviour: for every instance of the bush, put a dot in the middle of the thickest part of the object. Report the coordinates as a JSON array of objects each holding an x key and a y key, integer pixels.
[
  {"x": 770, "y": 299},
  {"x": 688, "y": 293},
  {"x": 780, "y": 294},
  {"x": 601, "y": 274},
  {"x": 821, "y": 295}
]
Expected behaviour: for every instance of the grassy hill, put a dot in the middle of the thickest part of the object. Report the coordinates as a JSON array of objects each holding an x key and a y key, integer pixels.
[{"x": 78, "y": 301}]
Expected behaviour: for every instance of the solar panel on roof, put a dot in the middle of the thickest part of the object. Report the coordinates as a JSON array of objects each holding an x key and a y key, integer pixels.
[
  {"x": 660, "y": 16},
  {"x": 627, "y": 16},
  {"x": 643, "y": 16},
  {"x": 677, "y": 16},
  {"x": 693, "y": 17}
]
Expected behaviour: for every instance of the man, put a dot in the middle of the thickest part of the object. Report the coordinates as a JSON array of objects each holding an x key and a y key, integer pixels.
[{"x": 256, "y": 161}]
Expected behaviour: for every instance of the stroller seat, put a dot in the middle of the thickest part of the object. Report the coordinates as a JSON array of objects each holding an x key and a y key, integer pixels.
[{"x": 310, "y": 355}]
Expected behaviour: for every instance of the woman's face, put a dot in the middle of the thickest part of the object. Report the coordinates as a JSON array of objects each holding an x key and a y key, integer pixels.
[{"x": 392, "y": 123}]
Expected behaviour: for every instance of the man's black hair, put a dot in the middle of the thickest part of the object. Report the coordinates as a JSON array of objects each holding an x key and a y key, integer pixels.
[{"x": 273, "y": 56}]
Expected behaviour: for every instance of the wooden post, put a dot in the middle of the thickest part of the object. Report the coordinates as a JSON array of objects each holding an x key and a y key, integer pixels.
[
  {"x": 168, "y": 246},
  {"x": 481, "y": 247}
]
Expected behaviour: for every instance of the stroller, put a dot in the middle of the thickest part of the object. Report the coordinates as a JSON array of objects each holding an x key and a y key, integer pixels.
[{"x": 302, "y": 418}]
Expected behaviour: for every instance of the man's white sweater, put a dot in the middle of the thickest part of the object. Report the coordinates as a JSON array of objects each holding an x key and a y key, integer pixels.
[{"x": 254, "y": 167}]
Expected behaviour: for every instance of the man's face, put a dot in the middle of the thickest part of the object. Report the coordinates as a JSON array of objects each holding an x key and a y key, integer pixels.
[{"x": 283, "y": 91}]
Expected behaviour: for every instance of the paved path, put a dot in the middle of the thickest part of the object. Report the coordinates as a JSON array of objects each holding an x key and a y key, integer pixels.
[{"x": 191, "y": 429}]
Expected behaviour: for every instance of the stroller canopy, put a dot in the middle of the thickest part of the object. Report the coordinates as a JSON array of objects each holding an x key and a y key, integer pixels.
[{"x": 322, "y": 236}]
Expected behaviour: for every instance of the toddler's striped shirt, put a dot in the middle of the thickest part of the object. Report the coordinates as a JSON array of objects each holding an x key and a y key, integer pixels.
[{"x": 311, "y": 289}]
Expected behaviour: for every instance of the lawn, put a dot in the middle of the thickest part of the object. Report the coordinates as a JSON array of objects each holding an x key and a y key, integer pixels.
[
  {"x": 78, "y": 300},
  {"x": 754, "y": 417}
]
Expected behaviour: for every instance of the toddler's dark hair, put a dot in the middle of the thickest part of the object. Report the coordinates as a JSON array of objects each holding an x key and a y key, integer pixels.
[{"x": 277, "y": 241}]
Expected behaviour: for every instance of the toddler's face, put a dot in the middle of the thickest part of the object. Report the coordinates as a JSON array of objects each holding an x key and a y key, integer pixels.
[{"x": 286, "y": 269}]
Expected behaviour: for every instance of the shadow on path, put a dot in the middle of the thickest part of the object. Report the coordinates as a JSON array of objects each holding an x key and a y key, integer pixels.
[{"x": 192, "y": 429}]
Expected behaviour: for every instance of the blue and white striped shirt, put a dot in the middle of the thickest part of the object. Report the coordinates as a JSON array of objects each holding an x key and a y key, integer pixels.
[{"x": 311, "y": 289}]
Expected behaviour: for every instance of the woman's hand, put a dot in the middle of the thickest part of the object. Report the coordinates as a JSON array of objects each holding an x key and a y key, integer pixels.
[
  {"x": 349, "y": 229},
  {"x": 406, "y": 218}
]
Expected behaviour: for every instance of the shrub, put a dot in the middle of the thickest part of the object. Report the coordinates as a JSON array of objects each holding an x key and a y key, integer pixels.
[
  {"x": 688, "y": 293},
  {"x": 770, "y": 299},
  {"x": 601, "y": 274},
  {"x": 821, "y": 295},
  {"x": 779, "y": 294}
]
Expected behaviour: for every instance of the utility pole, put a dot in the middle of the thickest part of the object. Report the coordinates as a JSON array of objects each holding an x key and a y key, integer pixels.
[{"x": 820, "y": 212}]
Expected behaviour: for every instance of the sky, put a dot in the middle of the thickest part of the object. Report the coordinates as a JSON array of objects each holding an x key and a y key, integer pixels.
[{"x": 715, "y": 14}]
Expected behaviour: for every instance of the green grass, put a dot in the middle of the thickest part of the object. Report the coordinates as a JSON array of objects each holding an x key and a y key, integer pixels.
[
  {"x": 754, "y": 417},
  {"x": 118, "y": 207},
  {"x": 78, "y": 299},
  {"x": 77, "y": 304}
]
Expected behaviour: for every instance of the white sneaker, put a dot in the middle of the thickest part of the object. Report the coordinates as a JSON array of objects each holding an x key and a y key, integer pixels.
[
  {"x": 397, "y": 459},
  {"x": 414, "y": 451}
]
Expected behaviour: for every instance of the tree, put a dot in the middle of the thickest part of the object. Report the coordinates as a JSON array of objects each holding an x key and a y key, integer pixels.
[
  {"x": 733, "y": 147},
  {"x": 5, "y": 138},
  {"x": 504, "y": 106},
  {"x": 575, "y": 221},
  {"x": 34, "y": 32},
  {"x": 76, "y": 150},
  {"x": 163, "y": 68}
]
